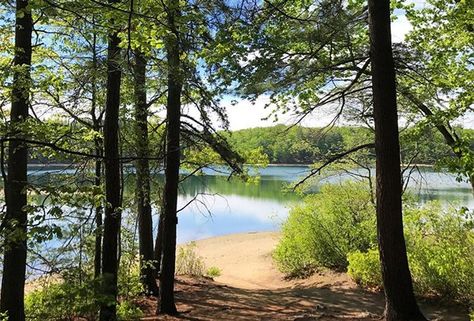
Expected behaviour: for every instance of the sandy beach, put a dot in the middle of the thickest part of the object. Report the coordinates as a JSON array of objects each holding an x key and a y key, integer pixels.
[{"x": 250, "y": 287}]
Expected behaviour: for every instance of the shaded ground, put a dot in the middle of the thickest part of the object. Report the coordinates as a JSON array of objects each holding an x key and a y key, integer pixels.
[{"x": 251, "y": 288}]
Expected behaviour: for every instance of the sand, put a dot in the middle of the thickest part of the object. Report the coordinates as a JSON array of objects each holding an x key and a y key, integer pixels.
[{"x": 250, "y": 287}]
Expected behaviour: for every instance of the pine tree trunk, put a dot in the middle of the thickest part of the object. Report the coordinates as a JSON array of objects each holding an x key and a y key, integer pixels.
[
  {"x": 14, "y": 262},
  {"x": 401, "y": 304},
  {"x": 112, "y": 181},
  {"x": 170, "y": 197},
  {"x": 145, "y": 223}
]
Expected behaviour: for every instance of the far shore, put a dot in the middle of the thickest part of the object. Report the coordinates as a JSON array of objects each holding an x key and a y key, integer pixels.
[{"x": 65, "y": 165}]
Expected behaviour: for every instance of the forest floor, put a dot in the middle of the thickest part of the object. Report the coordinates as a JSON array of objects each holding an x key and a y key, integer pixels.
[{"x": 251, "y": 288}]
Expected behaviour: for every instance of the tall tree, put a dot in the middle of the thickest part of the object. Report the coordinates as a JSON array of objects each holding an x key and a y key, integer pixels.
[
  {"x": 112, "y": 177},
  {"x": 143, "y": 192},
  {"x": 172, "y": 161},
  {"x": 14, "y": 262},
  {"x": 98, "y": 144},
  {"x": 401, "y": 304}
]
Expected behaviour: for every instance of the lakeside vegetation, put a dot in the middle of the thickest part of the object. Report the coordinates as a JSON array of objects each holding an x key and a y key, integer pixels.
[{"x": 335, "y": 229}]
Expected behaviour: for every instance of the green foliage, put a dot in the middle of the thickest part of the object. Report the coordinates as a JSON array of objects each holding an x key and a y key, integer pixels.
[
  {"x": 188, "y": 262},
  {"x": 364, "y": 268},
  {"x": 440, "y": 244},
  {"x": 213, "y": 272},
  {"x": 69, "y": 300},
  {"x": 420, "y": 144},
  {"x": 128, "y": 311},
  {"x": 328, "y": 225},
  {"x": 336, "y": 229},
  {"x": 63, "y": 301}
]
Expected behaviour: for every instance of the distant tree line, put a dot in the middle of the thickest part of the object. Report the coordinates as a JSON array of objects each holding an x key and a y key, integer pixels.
[{"x": 305, "y": 145}]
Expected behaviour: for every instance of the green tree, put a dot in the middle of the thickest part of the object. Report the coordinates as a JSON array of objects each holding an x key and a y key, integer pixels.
[
  {"x": 15, "y": 222},
  {"x": 400, "y": 302},
  {"x": 112, "y": 220}
]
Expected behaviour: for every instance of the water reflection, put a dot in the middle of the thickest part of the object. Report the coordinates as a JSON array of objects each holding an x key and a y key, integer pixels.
[{"x": 224, "y": 207}]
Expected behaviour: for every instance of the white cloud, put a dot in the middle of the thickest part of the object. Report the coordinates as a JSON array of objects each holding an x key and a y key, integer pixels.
[{"x": 246, "y": 114}]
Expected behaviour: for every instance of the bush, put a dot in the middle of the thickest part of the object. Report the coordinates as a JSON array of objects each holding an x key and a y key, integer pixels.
[
  {"x": 68, "y": 299},
  {"x": 62, "y": 301},
  {"x": 188, "y": 262},
  {"x": 328, "y": 225},
  {"x": 364, "y": 268},
  {"x": 336, "y": 229},
  {"x": 440, "y": 246},
  {"x": 213, "y": 272},
  {"x": 128, "y": 311}
]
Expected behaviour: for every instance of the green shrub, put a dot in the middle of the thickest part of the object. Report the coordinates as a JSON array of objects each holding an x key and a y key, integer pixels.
[
  {"x": 336, "y": 229},
  {"x": 213, "y": 272},
  {"x": 440, "y": 246},
  {"x": 364, "y": 268},
  {"x": 68, "y": 299},
  {"x": 129, "y": 281},
  {"x": 62, "y": 301},
  {"x": 328, "y": 225},
  {"x": 188, "y": 262},
  {"x": 128, "y": 311}
]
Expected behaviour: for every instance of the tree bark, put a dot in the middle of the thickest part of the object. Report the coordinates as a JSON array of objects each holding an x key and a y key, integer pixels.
[
  {"x": 96, "y": 121},
  {"x": 158, "y": 250},
  {"x": 401, "y": 304},
  {"x": 170, "y": 197},
  {"x": 98, "y": 213},
  {"x": 112, "y": 180},
  {"x": 14, "y": 261},
  {"x": 143, "y": 191}
]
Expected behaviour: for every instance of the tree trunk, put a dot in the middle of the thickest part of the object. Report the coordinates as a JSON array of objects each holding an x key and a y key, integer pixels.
[
  {"x": 170, "y": 197},
  {"x": 400, "y": 301},
  {"x": 112, "y": 180},
  {"x": 98, "y": 213},
  {"x": 14, "y": 262},
  {"x": 158, "y": 250},
  {"x": 145, "y": 223},
  {"x": 99, "y": 151}
]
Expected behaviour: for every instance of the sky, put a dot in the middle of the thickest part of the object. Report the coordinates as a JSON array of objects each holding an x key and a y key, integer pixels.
[{"x": 246, "y": 115}]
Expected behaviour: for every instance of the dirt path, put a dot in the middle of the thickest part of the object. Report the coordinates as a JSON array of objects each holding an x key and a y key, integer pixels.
[{"x": 251, "y": 288}]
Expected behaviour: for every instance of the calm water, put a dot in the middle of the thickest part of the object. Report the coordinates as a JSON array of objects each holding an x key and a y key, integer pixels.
[
  {"x": 212, "y": 205},
  {"x": 224, "y": 207}
]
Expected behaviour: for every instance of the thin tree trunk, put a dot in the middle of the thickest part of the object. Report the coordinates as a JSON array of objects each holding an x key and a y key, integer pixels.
[
  {"x": 98, "y": 214},
  {"x": 158, "y": 250},
  {"x": 170, "y": 197},
  {"x": 14, "y": 261},
  {"x": 145, "y": 223},
  {"x": 98, "y": 162},
  {"x": 401, "y": 304},
  {"x": 112, "y": 181}
]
